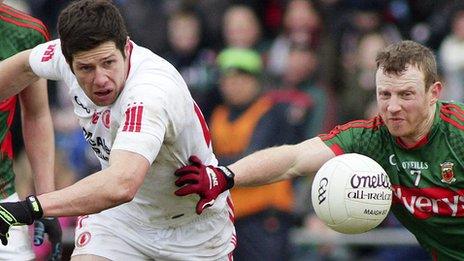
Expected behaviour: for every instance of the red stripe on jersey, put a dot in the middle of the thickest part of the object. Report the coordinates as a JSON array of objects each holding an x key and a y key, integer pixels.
[
  {"x": 133, "y": 111},
  {"x": 37, "y": 24},
  {"x": 231, "y": 209},
  {"x": 21, "y": 24},
  {"x": 337, "y": 149},
  {"x": 126, "y": 123},
  {"x": 7, "y": 145},
  {"x": 364, "y": 124},
  {"x": 453, "y": 110},
  {"x": 133, "y": 121},
  {"x": 452, "y": 122},
  {"x": 204, "y": 126},
  {"x": 453, "y": 106},
  {"x": 138, "y": 122},
  {"x": 17, "y": 13}
]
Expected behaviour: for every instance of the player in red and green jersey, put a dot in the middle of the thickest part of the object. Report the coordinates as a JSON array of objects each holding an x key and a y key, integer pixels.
[
  {"x": 416, "y": 138},
  {"x": 18, "y": 32},
  {"x": 426, "y": 177}
]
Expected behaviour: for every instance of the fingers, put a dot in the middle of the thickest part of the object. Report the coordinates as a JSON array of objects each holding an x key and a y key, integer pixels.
[
  {"x": 187, "y": 179},
  {"x": 202, "y": 204},
  {"x": 187, "y": 190},
  {"x": 186, "y": 170},
  {"x": 195, "y": 161},
  {"x": 39, "y": 232}
]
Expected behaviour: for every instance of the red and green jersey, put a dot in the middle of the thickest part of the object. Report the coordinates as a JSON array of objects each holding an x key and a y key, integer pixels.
[
  {"x": 18, "y": 32},
  {"x": 427, "y": 179}
]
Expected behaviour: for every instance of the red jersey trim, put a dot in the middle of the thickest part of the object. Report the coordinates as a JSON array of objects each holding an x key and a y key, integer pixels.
[
  {"x": 421, "y": 142},
  {"x": 453, "y": 110},
  {"x": 337, "y": 149},
  {"x": 21, "y": 15},
  {"x": 373, "y": 123},
  {"x": 42, "y": 31},
  {"x": 37, "y": 24}
]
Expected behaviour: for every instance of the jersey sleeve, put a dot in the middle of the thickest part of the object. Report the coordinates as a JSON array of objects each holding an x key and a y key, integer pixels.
[
  {"x": 148, "y": 117},
  {"x": 47, "y": 61},
  {"x": 338, "y": 140},
  {"x": 362, "y": 136}
]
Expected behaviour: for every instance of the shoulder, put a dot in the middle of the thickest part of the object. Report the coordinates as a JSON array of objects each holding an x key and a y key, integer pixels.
[
  {"x": 452, "y": 115},
  {"x": 360, "y": 127},
  {"x": 151, "y": 74},
  {"x": 23, "y": 23}
]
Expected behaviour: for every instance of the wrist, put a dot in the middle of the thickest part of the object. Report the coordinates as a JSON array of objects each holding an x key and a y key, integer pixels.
[
  {"x": 34, "y": 207},
  {"x": 229, "y": 175}
]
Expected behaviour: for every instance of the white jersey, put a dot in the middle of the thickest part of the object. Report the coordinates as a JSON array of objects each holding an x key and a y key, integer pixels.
[{"x": 154, "y": 116}]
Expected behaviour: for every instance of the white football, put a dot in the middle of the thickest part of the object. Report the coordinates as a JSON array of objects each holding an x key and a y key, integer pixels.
[{"x": 351, "y": 193}]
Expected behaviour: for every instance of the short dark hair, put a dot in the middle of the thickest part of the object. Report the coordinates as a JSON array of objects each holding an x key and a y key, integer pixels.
[
  {"x": 396, "y": 57},
  {"x": 85, "y": 24}
]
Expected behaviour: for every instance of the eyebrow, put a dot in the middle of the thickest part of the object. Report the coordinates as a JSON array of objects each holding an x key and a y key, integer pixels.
[{"x": 111, "y": 56}]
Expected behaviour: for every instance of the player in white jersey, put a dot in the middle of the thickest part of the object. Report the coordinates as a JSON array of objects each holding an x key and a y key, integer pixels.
[{"x": 139, "y": 118}]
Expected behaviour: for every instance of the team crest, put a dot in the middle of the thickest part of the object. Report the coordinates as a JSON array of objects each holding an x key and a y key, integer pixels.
[
  {"x": 83, "y": 239},
  {"x": 447, "y": 174}
]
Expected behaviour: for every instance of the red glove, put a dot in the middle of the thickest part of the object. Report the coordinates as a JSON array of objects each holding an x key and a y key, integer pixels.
[{"x": 206, "y": 181}]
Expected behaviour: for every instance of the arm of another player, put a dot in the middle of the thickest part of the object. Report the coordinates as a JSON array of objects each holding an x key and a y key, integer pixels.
[
  {"x": 38, "y": 135},
  {"x": 280, "y": 163},
  {"x": 15, "y": 74},
  {"x": 262, "y": 167},
  {"x": 40, "y": 148}
]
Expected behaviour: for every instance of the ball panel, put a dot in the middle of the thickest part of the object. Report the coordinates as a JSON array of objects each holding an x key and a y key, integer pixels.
[
  {"x": 320, "y": 192},
  {"x": 354, "y": 226}
]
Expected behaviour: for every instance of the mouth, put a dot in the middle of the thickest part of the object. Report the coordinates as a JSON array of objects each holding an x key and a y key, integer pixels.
[
  {"x": 102, "y": 93},
  {"x": 395, "y": 120}
]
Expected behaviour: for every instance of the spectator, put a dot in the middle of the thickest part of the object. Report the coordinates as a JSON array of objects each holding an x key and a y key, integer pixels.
[
  {"x": 195, "y": 64},
  {"x": 359, "y": 93},
  {"x": 452, "y": 58},
  {"x": 301, "y": 74},
  {"x": 248, "y": 121},
  {"x": 301, "y": 26},
  {"x": 242, "y": 29}
]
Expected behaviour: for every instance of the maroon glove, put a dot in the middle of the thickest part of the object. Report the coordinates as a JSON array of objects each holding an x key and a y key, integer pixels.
[{"x": 206, "y": 181}]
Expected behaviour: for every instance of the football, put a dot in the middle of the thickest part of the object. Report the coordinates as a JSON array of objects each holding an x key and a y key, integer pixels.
[{"x": 351, "y": 193}]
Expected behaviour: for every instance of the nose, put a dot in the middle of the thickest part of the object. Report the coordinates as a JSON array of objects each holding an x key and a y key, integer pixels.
[
  {"x": 393, "y": 105},
  {"x": 100, "y": 77}
]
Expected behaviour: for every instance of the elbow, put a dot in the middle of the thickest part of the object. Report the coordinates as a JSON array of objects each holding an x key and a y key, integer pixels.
[
  {"x": 125, "y": 192},
  {"x": 127, "y": 195}
]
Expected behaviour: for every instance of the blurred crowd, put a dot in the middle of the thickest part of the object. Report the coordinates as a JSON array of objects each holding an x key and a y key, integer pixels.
[{"x": 271, "y": 72}]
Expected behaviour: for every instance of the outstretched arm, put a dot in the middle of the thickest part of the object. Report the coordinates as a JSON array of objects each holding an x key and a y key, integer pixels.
[
  {"x": 283, "y": 162},
  {"x": 15, "y": 74},
  {"x": 262, "y": 167}
]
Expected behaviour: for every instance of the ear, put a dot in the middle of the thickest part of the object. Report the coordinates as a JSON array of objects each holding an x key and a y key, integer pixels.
[
  {"x": 127, "y": 47},
  {"x": 435, "y": 92}
]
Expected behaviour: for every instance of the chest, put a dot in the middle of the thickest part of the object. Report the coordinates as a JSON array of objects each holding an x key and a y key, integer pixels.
[
  {"x": 436, "y": 165},
  {"x": 427, "y": 181},
  {"x": 99, "y": 124}
]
